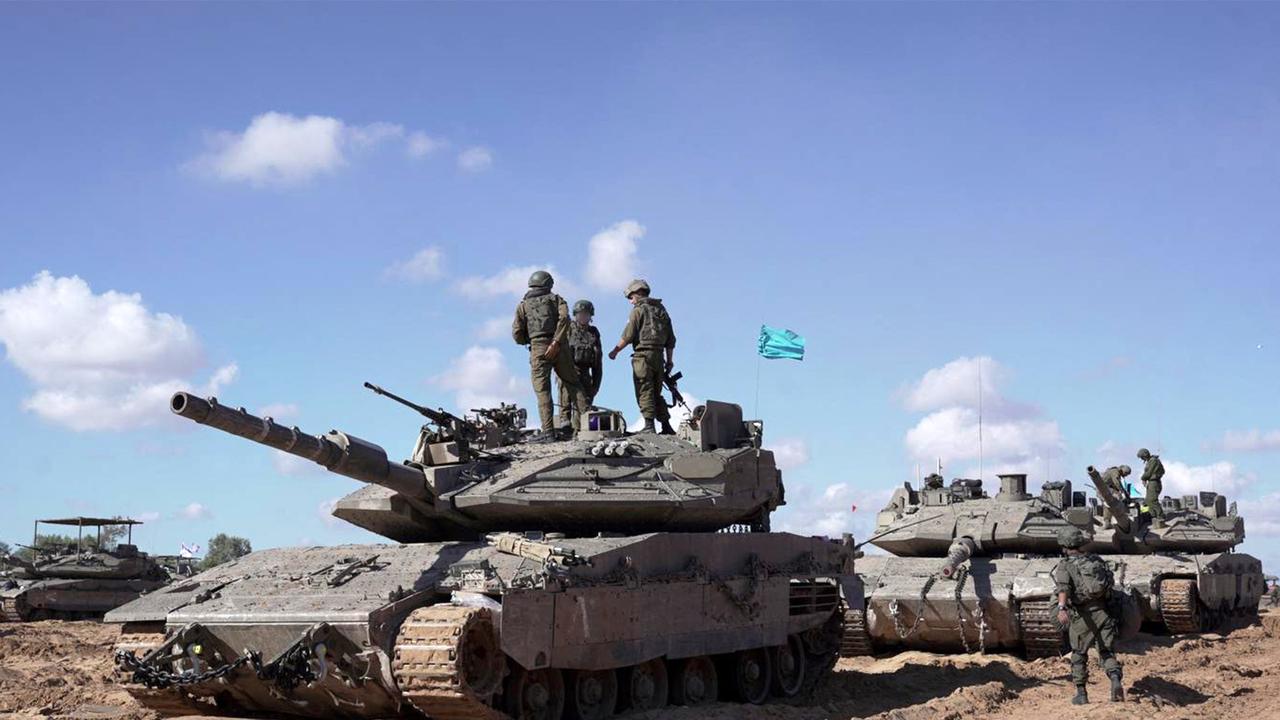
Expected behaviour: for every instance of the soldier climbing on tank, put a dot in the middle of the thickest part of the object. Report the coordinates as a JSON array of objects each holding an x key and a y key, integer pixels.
[
  {"x": 1152, "y": 473},
  {"x": 1113, "y": 479},
  {"x": 542, "y": 323},
  {"x": 652, "y": 337},
  {"x": 588, "y": 357},
  {"x": 1084, "y": 584}
]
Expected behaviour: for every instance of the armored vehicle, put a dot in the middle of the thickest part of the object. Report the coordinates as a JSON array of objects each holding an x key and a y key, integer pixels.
[
  {"x": 969, "y": 572},
  {"x": 80, "y": 581},
  {"x": 574, "y": 578}
]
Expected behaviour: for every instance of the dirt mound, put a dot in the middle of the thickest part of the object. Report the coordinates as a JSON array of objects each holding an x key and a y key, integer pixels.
[{"x": 63, "y": 670}]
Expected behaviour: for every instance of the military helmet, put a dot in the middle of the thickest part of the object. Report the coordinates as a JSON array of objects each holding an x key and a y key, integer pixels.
[
  {"x": 541, "y": 279},
  {"x": 636, "y": 286},
  {"x": 1125, "y": 470},
  {"x": 1071, "y": 537},
  {"x": 1144, "y": 454},
  {"x": 584, "y": 306}
]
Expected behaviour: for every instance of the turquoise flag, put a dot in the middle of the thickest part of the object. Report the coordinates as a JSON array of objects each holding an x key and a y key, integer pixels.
[{"x": 778, "y": 344}]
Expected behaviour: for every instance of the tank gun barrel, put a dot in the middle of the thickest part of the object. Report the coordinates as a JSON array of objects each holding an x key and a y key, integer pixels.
[
  {"x": 337, "y": 451},
  {"x": 1119, "y": 511},
  {"x": 958, "y": 553}
]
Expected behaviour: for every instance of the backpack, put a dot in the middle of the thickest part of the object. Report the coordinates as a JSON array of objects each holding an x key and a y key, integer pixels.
[
  {"x": 585, "y": 343},
  {"x": 1091, "y": 577},
  {"x": 541, "y": 315},
  {"x": 656, "y": 327}
]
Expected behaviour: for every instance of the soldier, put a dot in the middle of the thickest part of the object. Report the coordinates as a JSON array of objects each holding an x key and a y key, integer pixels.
[
  {"x": 588, "y": 357},
  {"x": 542, "y": 323},
  {"x": 1151, "y": 478},
  {"x": 1275, "y": 593},
  {"x": 1084, "y": 583},
  {"x": 933, "y": 481},
  {"x": 1113, "y": 479},
  {"x": 650, "y": 334}
]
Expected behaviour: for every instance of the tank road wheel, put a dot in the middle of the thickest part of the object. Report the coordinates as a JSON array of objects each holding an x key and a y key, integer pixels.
[
  {"x": 1180, "y": 606},
  {"x": 535, "y": 694},
  {"x": 646, "y": 685},
  {"x": 788, "y": 668},
  {"x": 592, "y": 694},
  {"x": 749, "y": 675},
  {"x": 694, "y": 681},
  {"x": 447, "y": 661}
]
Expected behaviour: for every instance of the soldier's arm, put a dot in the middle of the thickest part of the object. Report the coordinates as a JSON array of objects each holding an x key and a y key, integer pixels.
[
  {"x": 597, "y": 366},
  {"x": 670, "y": 346},
  {"x": 1157, "y": 472},
  {"x": 1147, "y": 472},
  {"x": 629, "y": 333},
  {"x": 562, "y": 324},
  {"x": 518, "y": 326}
]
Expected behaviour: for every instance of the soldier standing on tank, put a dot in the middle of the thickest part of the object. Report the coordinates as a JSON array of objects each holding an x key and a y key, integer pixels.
[
  {"x": 588, "y": 358},
  {"x": 1113, "y": 479},
  {"x": 1084, "y": 584},
  {"x": 542, "y": 323},
  {"x": 1152, "y": 474},
  {"x": 651, "y": 336}
]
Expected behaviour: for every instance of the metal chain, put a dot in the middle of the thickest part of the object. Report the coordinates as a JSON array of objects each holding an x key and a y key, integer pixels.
[
  {"x": 961, "y": 575},
  {"x": 896, "y": 615},
  {"x": 153, "y": 676}
]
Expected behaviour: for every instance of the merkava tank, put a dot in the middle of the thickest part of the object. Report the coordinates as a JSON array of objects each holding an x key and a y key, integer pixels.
[
  {"x": 969, "y": 572},
  {"x": 77, "y": 582},
  {"x": 573, "y": 578}
]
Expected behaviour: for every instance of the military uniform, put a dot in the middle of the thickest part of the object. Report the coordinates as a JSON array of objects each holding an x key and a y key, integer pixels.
[
  {"x": 588, "y": 358},
  {"x": 1087, "y": 581},
  {"x": 542, "y": 317},
  {"x": 650, "y": 334},
  {"x": 1113, "y": 480},
  {"x": 1152, "y": 474}
]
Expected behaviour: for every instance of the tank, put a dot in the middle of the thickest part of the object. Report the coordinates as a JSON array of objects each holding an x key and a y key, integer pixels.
[
  {"x": 968, "y": 572},
  {"x": 79, "y": 581},
  {"x": 569, "y": 578}
]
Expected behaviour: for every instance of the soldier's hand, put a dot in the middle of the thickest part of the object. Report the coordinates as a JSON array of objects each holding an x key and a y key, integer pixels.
[
  {"x": 552, "y": 350},
  {"x": 1063, "y": 618},
  {"x": 613, "y": 354}
]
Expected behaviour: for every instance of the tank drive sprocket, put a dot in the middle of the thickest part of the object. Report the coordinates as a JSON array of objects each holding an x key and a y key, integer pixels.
[
  {"x": 448, "y": 662},
  {"x": 1041, "y": 635},
  {"x": 855, "y": 641},
  {"x": 1180, "y": 606}
]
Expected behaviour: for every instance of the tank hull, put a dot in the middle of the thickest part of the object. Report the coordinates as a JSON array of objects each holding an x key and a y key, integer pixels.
[
  {"x": 366, "y": 631},
  {"x": 69, "y": 598}
]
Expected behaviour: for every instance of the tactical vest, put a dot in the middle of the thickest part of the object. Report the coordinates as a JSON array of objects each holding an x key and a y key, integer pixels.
[
  {"x": 541, "y": 315},
  {"x": 584, "y": 341},
  {"x": 1091, "y": 579},
  {"x": 655, "y": 325}
]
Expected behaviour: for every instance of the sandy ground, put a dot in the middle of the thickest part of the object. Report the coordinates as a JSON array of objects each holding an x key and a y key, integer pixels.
[{"x": 63, "y": 670}]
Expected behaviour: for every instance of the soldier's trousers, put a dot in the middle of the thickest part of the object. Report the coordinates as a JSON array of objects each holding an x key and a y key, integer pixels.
[
  {"x": 566, "y": 402},
  {"x": 1092, "y": 627},
  {"x": 646, "y": 372},
  {"x": 1153, "y": 499},
  {"x": 540, "y": 370}
]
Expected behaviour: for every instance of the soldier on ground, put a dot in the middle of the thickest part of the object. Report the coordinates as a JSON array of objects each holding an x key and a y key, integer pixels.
[
  {"x": 542, "y": 323},
  {"x": 651, "y": 336},
  {"x": 1275, "y": 593},
  {"x": 1113, "y": 479},
  {"x": 1084, "y": 583},
  {"x": 1151, "y": 479},
  {"x": 588, "y": 358}
]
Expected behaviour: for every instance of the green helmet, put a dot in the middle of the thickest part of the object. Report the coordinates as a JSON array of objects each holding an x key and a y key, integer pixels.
[
  {"x": 1071, "y": 537},
  {"x": 541, "y": 279},
  {"x": 1144, "y": 454},
  {"x": 1125, "y": 470},
  {"x": 584, "y": 306},
  {"x": 636, "y": 286}
]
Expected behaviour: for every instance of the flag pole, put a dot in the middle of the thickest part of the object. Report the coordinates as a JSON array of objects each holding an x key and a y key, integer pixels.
[
  {"x": 757, "y": 409},
  {"x": 979, "y": 417}
]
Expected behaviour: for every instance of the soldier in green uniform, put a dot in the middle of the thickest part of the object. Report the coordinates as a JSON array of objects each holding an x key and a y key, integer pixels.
[
  {"x": 1152, "y": 474},
  {"x": 651, "y": 336},
  {"x": 1084, "y": 583},
  {"x": 1113, "y": 479},
  {"x": 542, "y": 323},
  {"x": 588, "y": 358}
]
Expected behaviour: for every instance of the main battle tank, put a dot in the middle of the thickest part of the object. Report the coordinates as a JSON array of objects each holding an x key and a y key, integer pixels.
[
  {"x": 573, "y": 578},
  {"x": 76, "y": 582},
  {"x": 969, "y": 572}
]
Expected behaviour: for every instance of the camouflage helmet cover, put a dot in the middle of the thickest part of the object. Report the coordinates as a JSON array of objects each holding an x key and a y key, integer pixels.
[
  {"x": 541, "y": 279},
  {"x": 636, "y": 286},
  {"x": 1144, "y": 454},
  {"x": 584, "y": 306},
  {"x": 1071, "y": 538},
  {"x": 1125, "y": 470}
]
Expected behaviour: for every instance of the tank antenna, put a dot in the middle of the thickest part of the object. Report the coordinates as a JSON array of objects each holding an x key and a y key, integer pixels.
[{"x": 979, "y": 417}]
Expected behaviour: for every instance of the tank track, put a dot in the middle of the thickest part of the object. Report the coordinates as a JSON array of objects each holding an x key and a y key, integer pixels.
[
  {"x": 11, "y": 611},
  {"x": 855, "y": 641},
  {"x": 166, "y": 702},
  {"x": 1180, "y": 606},
  {"x": 427, "y": 664},
  {"x": 1041, "y": 635}
]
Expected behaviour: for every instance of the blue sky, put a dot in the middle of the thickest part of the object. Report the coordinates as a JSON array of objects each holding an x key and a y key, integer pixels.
[{"x": 1083, "y": 195}]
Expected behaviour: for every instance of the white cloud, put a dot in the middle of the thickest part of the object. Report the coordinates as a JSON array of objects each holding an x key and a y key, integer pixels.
[
  {"x": 1182, "y": 479},
  {"x": 831, "y": 511},
  {"x": 475, "y": 159},
  {"x": 419, "y": 144},
  {"x": 279, "y": 411},
  {"x": 479, "y": 378},
  {"x": 678, "y": 413},
  {"x": 511, "y": 281},
  {"x": 789, "y": 453},
  {"x": 146, "y": 517},
  {"x": 1250, "y": 440},
  {"x": 99, "y": 362},
  {"x": 611, "y": 255},
  {"x": 494, "y": 328},
  {"x": 195, "y": 511},
  {"x": 426, "y": 264},
  {"x": 324, "y": 511}
]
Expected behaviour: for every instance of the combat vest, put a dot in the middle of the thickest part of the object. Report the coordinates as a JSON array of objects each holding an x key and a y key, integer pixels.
[
  {"x": 584, "y": 341},
  {"x": 1154, "y": 470},
  {"x": 655, "y": 325},
  {"x": 541, "y": 313},
  {"x": 1091, "y": 579}
]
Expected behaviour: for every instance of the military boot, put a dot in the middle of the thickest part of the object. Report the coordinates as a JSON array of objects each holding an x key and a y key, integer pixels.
[
  {"x": 648, "y": 425},
  {"x": 1081, "y": 698},
  {"x": 666, "y": 428},
  {"x": 1117, "y": 688}
]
